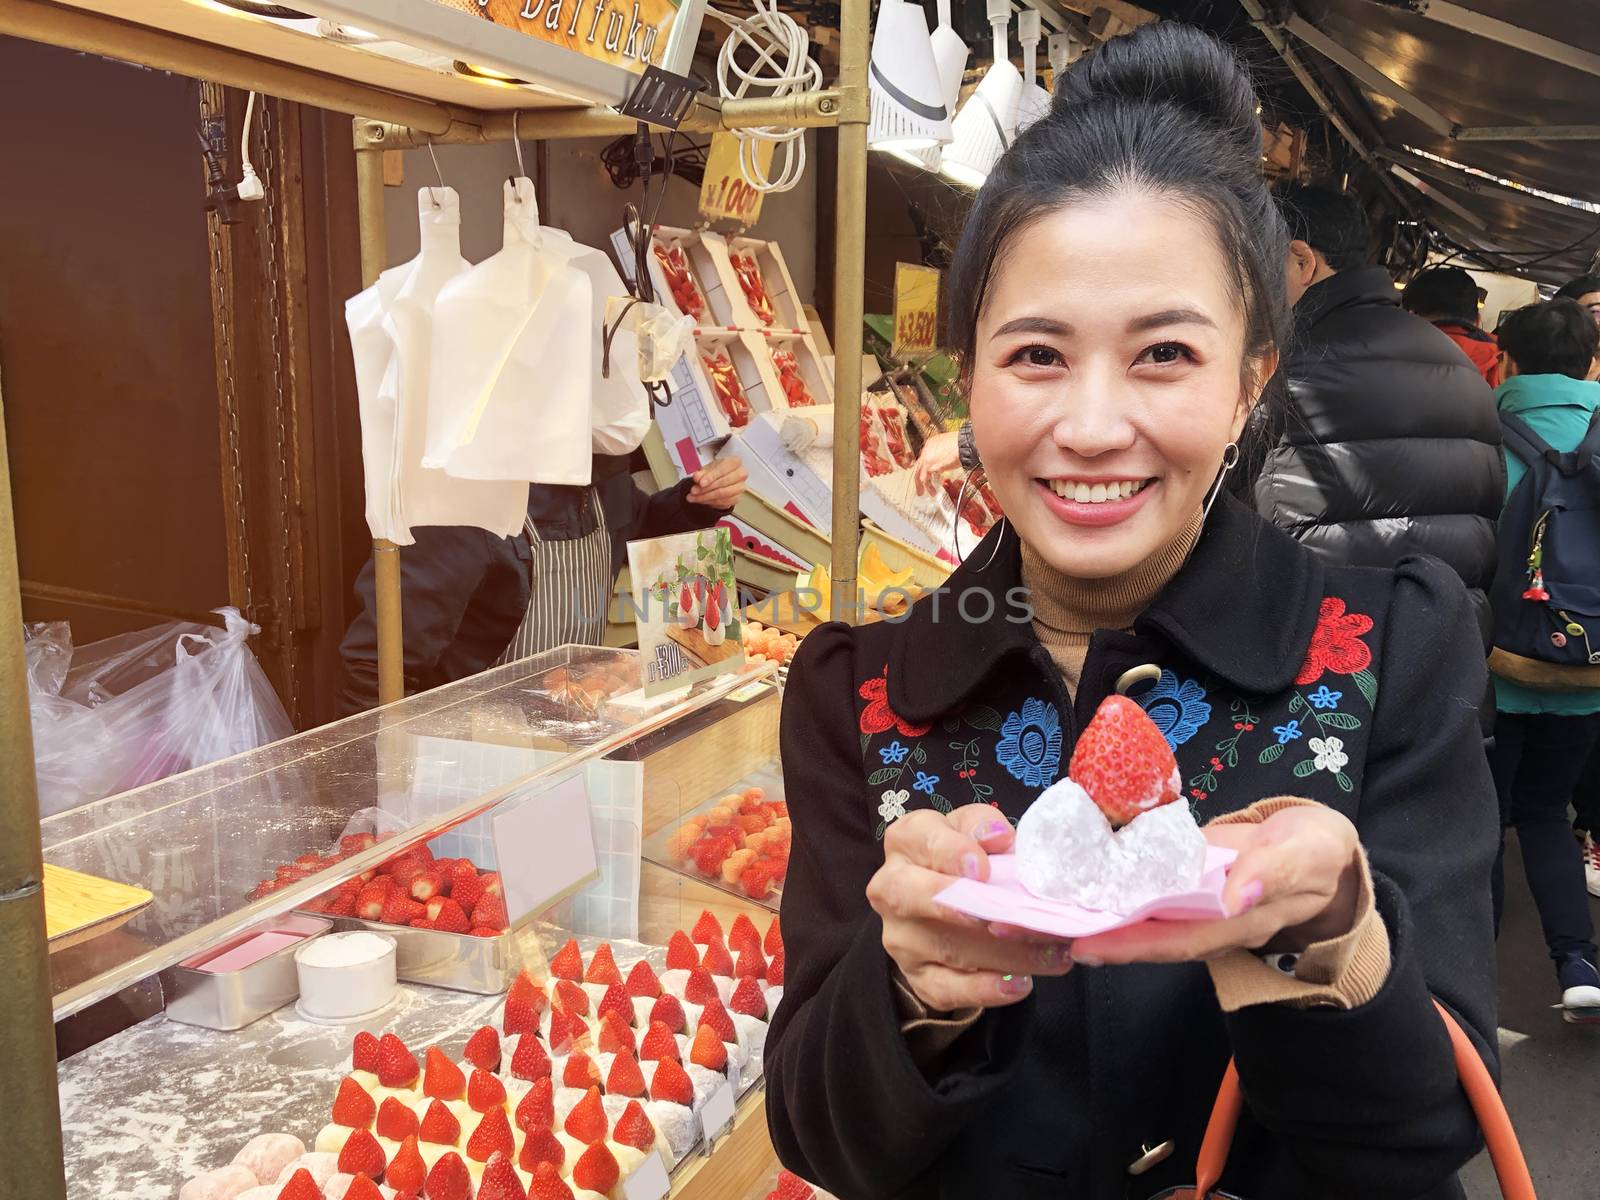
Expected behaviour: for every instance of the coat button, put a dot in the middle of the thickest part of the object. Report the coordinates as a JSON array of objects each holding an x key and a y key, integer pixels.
[
  {"x": 1134, "y": 676},
  {"x": 1149, "y": 1156}
]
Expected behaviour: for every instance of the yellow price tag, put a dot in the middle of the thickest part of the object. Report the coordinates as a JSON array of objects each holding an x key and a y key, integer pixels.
[
  {"x": 725, "y": 194},
  {"x": 916, "y": 310}
]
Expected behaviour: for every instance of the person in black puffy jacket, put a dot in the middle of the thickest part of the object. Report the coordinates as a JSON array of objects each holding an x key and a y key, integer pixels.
[{"x": 1392, "y": 440}]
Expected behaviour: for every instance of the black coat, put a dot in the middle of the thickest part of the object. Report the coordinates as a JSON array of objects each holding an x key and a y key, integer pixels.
[
  {"x": 1393, "y": 440},
  {"x": 1055, "y": 1096}
]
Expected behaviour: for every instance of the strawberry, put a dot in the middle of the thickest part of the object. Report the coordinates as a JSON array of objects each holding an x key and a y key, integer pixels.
[
  {"x": 493, "y": 1133},
  {"x": 546, "y": 1185},
  {"x": 791, "y": 1187},
  {"x": 466, "y": 889},
  {"x": 602, "y": 966},
  {"x": 489, "y": 912},
  {"x": 364, "y": 1053},
  {"x": 442, "y": 1079},
  {"x": 343, "y": 905},
  {"x": 524, "y": 1002},
  {"x": 1124, "y": 763},
  {"x": 742, "y": 934},
  {"x": 422, "y": 923},
  {"x": 483, "y": 931},
  {"x": 672, "y": 1083},
  {"x": 756, "y": 880},
  {"x": 483, "y": 1049},
  {"x": 681, "y": 954},
  {"x": 568, "y": 962},
  {"x": 752, "y": 964},
  {"x": 301, "y": 1186},
  {"x": 400, "y": 909},
  {"x": 615, "y": 1036},
  {"x": 658, "y": 1043},
  {"x": 615, "y": 1003},
  {"x": 774, "y": 938},
  {"x": 397, "y": 1066},
  {"x": 706, "y": 929},
  {"x": 529, "y": 1061},
  {"x": 396, "y": 1121},
  {"x": 353, "y": 1107},
  {"x": 716, "y": 1016},
  {"x": 708, "y": 1050},
  {"x": 642, "y": 981},
  {"x": 669, "y": 1012},
  {"x": 711, "y": 853},
  {"x": 485, "y": 1091},
  {"x": 355, "y": 843},
  {"x": 536, "y": 1109},
  {"x": 580, "y": 1071},
  {"x": 634, "y": 1129},
  {"x": 500, "y": 1180},
  {"x": 407, "y": 1172},
  {"x": 362, "y": 1188},
  {"x": 775, "y": 968},
  {"x": 362, "y": 1155},
  {"x": 571, "y": 998},
  {"x": 596, "y": 1169},
  {"x": 447, "y": 916},
  {"x": 312, "y": 863},
  {"x": 716, "y": 959},
  {"x": 700, "y": 987},
  {"x": 449, "y": 1179},
  {"x": 491, "y": 884},
  {"x": 625, "y": 1079},
  {"x": 369, "y": 904},
  {"x": 405, "y": 874},
  {"x": 564, "y": 1031},
  {"x": 439, "y": 1125},
  {"x": 587, "y": 1120},
  {"x": 749, "y": 1000}
]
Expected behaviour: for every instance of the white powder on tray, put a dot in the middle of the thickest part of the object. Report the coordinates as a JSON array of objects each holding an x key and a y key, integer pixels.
[{"x": 345, "y": 949}]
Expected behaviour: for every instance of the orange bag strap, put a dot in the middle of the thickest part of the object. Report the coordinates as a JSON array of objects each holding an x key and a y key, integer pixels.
[{"x": 1504, "y": 1151}]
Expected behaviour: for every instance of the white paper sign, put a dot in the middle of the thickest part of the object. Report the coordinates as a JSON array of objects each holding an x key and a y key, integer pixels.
[
  {"x": 649, "y": 1182},
  {"x": 545, "y": 845},
  {"x": 717, "y": 1115}
]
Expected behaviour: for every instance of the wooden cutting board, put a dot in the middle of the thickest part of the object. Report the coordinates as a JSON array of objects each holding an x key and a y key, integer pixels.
[
  {"x": 695, "y": 645},
  {"x": 78, "y": 907}
]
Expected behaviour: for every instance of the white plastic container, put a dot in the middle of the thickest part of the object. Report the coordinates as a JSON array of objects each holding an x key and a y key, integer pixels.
[{"x": 346, "y": 977}]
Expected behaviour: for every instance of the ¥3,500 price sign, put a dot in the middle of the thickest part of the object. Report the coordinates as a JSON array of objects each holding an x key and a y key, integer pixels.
[
  {"x": 916, "y": 310},
  {"x": 725, "y": 194}
]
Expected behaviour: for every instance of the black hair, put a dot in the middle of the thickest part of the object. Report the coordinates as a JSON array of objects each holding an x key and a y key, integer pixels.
[
  {"x": 1581, "y": 286},
  {"x": 1326, "y": 220},
  {"x": 1557, "y": 337},
  {"x": 1442, "y": 292},
  {"x": 1167, "y": 108}
]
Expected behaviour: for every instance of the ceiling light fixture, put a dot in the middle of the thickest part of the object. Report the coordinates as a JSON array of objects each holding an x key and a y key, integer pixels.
[
  {"x": 950, "y": 54},
  {"x": 908, "y": 110},
  {"x": 988, "y": 120}
]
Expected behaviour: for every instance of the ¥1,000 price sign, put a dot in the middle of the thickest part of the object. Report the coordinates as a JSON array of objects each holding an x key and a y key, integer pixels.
[
  {"x": 725, "y": 194},
  {"x": 916, "y": 311}
]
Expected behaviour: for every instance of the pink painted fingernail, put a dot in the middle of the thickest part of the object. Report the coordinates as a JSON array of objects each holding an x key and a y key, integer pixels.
[
  {"x": 1016, "y": 985},
  {"x": 1087, "y": 960},
  {"x": 1250, "y": 897},
  {"x": 971, "y": 866},
  {"x": 1002, "y": 932},
  {"x": 991, "y": 829}
]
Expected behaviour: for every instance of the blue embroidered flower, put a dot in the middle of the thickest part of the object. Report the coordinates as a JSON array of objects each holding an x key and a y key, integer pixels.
[
  {"x": 1323, "y": 698},
  {"x": 1287, "y": 733},
  {"x": 1030, "y": 743},
  {"x": 894, "y": 752},
  {"x": 924, "y": 783},
  {"x": 1177, "y": 706}
]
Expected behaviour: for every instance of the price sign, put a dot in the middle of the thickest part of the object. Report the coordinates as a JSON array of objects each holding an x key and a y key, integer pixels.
[
  {"x": 725, "y": 194},
  {"x": 717, "y": 1114},
  {"x": 916, "y": 310}
]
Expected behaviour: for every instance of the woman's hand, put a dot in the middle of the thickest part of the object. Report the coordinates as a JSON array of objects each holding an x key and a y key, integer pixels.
[
  {"x": 719, "y": 484},
  {"x": 1296, "y": 881},
  {"x": 952, "y": 961},
  {"x": 940, "y": 453}
]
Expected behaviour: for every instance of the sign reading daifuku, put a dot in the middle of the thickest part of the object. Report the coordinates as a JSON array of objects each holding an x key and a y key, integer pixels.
[{"x": 625, "y": 33}]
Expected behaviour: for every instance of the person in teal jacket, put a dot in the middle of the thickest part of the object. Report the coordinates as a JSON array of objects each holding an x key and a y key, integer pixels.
[{"x": 1543, "y": 738}]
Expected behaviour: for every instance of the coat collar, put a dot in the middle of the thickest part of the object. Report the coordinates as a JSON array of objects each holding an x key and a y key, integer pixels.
[
  {"x": 1254, "y": 637},
  {"x": 1345, "y": 289}
]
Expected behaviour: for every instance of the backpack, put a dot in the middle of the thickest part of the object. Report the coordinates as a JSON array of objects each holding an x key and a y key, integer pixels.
[{"x": 1546, "y": 595}]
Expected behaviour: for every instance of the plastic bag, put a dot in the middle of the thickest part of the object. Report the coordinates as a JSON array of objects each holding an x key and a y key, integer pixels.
[{"x": 136, "y": 708}]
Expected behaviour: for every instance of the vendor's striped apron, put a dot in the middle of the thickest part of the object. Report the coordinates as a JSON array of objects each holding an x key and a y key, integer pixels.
[{"x": 571, "y": 589}]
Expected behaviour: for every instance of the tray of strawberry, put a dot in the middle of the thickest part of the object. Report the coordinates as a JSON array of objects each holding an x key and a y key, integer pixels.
[{"x": 738, "y": 841}]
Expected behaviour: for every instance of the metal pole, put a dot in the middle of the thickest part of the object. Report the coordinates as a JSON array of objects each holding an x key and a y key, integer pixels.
[
  {"x": 385, "y": 554},
  {"x": 30, "y": 1136},
  {"x": 850, "y": 258}
]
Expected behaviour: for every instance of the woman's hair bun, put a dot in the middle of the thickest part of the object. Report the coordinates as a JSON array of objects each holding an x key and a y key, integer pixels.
[{"x": 1166, "y": 62}]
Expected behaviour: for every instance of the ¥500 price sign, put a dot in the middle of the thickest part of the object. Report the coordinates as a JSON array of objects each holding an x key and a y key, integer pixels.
[
  {"x": 916, "y": 310},
  {"x": 725, "y": 194}
]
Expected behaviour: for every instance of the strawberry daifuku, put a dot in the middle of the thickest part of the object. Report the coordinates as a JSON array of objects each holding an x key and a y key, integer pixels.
[{"x": 1109, "y": 837}]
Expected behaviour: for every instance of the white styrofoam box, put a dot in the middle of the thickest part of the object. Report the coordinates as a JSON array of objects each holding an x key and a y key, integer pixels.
[
  {"x": 807, "y": 366},
  {"x": 692, "y": 420},
  {"x": 784, "y": 478},
  {"x": 788, "y": 310}
]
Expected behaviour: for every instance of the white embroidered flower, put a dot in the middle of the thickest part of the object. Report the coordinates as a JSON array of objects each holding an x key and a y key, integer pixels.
[
  {"x": 894, "y": 805},
  {"x": 1330, "y": 753}
]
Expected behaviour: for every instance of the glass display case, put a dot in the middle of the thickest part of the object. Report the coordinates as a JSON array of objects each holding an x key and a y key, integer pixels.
[{"x": 218, "y": 849}]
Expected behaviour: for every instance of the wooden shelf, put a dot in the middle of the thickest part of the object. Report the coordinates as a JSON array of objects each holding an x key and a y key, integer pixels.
[{"x": 740, "y": 1160}]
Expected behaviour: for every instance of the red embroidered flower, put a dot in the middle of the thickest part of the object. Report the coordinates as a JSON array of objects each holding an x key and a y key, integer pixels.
[
  {"x": 878, "y": 717},
  {"x": 1336, "y": 644}
]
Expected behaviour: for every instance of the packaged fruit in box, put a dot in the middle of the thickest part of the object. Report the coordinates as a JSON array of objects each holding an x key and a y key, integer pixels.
[
  {"x": 725, "y": 385},
  {"x": 774, "y": 645},
  {"x": 794, "y": 386},
  {"x": 874, "y": 453},
  {"x": 753, "y": 286},
  {"x": 742, "y": 840},
  {"x": 680, "y": 279}
]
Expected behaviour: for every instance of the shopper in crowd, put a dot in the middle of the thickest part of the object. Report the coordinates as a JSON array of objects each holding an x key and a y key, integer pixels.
[
  {"x": 1585, "y": 289},
  {"x": 917, "y": 1053},
  {"x": 470, "y": 599},
  {"x": 1390, "y": 445},
  {"x": 1543, "y": 737},
  {"x": 1447, "y": 298}
]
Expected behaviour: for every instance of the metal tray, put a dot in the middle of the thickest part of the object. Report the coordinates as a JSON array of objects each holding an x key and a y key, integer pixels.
[
  {"x": 230, "y": 1000},
  {"x": 656, "y": 849},
  {"x": 458, "y": 961}
]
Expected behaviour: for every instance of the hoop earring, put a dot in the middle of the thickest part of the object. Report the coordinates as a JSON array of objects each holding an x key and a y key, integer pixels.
[
  {"x": 1230, "y": 459},
  {"x": 955, "y": 530}
]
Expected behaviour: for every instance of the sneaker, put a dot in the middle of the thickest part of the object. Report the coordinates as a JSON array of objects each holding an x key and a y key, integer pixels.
[
  {"x": 1591, "y": 864},
  {"x": 1580, "y": 991}
]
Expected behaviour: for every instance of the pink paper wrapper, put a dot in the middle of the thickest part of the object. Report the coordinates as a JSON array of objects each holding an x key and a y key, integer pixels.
[{"x": 1005, "y": 900}]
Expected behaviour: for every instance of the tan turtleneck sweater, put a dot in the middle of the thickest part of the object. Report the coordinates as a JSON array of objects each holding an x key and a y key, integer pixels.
[{"x": 1341, "y": 972}]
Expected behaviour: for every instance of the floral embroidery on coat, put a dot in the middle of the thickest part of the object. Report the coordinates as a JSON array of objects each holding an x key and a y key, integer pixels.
[
  {"x": 1336, "y": 643},
  {"x": 1177, "y": 706},
  {"x": 877, "y": 716},
  {"x": 1030, "y": 743}
]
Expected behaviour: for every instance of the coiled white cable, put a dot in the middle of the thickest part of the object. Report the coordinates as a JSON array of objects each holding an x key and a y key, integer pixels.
[{"x": 782, "y": 67}]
